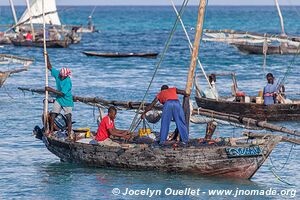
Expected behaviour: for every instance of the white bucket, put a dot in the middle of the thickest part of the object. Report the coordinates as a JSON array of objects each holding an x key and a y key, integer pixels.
[{"x": 259, "y": 100}]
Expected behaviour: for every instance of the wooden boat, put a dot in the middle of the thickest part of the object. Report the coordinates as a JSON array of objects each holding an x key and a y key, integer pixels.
[
  {"x": 251, "y": 109},
  {"x": 233, "y": 158},
  {"x": 120, "y": 55},
  {"x": 50, "y": 44},
  {"x": 257, "y": 43},
  {"x": 275, "y": 112},
  {"x": 240, "y": 161},
  {"x": 227, "y": 157},
  {"x": 272, "y": 49}
]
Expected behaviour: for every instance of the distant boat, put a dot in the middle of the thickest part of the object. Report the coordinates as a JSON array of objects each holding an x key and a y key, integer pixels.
[
  {"x": 32, "y": 19},
  {"x": 49, "y": 44},
  {"x": 6, "y": 59},
  {"x": 256, "y": 43},
  {"x": 119, "y": 55}
]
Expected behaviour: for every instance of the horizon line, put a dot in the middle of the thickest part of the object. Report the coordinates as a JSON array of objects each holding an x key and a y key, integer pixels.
[{"x": 156, "y": 5}]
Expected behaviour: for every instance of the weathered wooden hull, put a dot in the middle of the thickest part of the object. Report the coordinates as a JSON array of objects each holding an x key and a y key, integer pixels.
[
  {"x": 258, "y": 49},
  {"x": 276, "y": 112},
  {"x": 49, "y": 44},
  {"x": 119, "y": 55},
  {"x": 5, "y": 41},
  {"x": 201, "y": 160}
]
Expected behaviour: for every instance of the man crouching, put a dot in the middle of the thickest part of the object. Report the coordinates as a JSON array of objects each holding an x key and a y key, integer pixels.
[{"x": 107, "y": 128}]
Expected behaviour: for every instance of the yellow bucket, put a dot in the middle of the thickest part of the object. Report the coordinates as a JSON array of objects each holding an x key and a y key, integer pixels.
[
  {"x": 144, "y": 132},
  {"x": 87, "y": 130},
  {"x": 260, "y": 93}
]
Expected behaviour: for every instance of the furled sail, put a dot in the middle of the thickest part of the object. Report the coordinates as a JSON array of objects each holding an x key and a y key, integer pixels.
[{"x": 36, "y": 12}]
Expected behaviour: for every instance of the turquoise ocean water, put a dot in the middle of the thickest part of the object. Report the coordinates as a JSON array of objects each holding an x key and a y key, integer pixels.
[{"x": 29, "y": 171}]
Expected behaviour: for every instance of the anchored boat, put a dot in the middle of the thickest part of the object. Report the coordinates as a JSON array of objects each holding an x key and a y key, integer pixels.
[
  {"x": 256, "y": 43},
  {"x": 239, "y": 161},
  {"x": 49, "y": 44},
  {"x": 252, "y": 108}
]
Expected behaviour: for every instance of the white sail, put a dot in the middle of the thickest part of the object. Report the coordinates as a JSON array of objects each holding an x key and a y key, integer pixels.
[{"x": 37, "y": 13}]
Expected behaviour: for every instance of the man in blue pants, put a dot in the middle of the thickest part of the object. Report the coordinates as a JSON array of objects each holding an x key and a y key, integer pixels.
[{"x": 171, "y": 109}]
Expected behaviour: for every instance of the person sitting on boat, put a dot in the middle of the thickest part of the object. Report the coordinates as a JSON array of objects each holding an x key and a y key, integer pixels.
[
  {"x": 28, "y": 36},
  {"x": 107, "y": 128},
  {"x": 211, "y": 92},
  {"x": 171, "y": 109},
  {"x": 269, "y": 93},
  {"x": 64, "y": 99}
]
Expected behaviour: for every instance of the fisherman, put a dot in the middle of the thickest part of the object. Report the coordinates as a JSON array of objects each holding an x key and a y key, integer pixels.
[
  {"x": 28, "y": 36},
  {"x": 107, "y": 128},
  {"x": 269, "y": 93},
  {"x": 211, "y": 92},
  {"x": 171, "y": 109},
  {"x": 64, "y": 99},
  {"x": 90, "y": 24}
]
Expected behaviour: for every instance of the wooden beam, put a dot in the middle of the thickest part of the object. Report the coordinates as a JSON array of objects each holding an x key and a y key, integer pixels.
[{"x": 194, "y": 57}]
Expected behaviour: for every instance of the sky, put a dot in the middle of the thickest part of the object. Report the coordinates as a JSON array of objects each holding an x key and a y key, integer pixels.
[{"x": 160, "y": 2}]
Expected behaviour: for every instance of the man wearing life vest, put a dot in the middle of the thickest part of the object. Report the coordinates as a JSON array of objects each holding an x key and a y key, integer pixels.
[
  {"x": 64, "y": 98},
  {"x": 171, "y": 110},
  {"x": 270, "y": 89}
]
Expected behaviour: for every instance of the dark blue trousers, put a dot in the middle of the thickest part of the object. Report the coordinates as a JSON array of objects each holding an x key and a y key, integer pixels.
[{"x": 173, "y": 109}]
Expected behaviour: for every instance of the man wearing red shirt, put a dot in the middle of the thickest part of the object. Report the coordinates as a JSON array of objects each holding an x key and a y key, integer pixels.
[
  {"x": 28, "y": 36},
  {"x": 107, "y": 128},
  {"x": 171, "y": 109}
]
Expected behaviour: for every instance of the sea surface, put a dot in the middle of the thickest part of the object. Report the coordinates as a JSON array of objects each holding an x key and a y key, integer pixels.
[{"x": 29, "y": 171}]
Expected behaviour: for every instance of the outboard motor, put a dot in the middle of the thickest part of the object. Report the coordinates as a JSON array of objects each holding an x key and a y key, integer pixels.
[
  {"x": 60, "y": 122},
  {"x": 38, "y": 132}
]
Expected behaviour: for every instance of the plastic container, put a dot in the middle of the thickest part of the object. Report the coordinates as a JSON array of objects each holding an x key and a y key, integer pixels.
[
  {"x": 260, "y": 93},
  {"x": 247, "y": 99},
  {"x": 144, "y": 132},
  {"x": 86, "y": 130},
  {"x": 259, "y": 100}
]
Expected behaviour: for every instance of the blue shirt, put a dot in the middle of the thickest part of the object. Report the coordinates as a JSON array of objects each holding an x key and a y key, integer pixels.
[
  {"x": 64, "y": 86},
  {"x": 269, "y": 91}
]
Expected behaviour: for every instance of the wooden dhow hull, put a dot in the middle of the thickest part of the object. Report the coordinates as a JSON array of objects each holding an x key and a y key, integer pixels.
[
  {"x": 49, "y": 44},
  {"x": 258, "y": 49},
  {"x": 223, "y": 161},
  {"x": 275, "y": 112}
]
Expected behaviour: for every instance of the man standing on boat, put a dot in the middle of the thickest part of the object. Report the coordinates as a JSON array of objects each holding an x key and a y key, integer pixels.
[
  {"x": 211, "y": 92},
  {"x": 171, "y": 109},
  {"x": 270, "y": 89},
  {"x": 107, "y": 128},
  {"x": 64, "y": 99}
]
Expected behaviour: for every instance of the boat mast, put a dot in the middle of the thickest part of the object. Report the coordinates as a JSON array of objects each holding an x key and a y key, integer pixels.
[
  {"x": 46, "y": 71},
  {"x": 30, "y": 18},
  {"x": 14, "y": 13},
  {"x": 193, "y": 63},
  {"x": 281, "y": 18}
]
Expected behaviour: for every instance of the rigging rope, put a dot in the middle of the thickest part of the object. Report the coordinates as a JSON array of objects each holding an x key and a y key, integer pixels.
[
  {"x": 184, "y": 4},
  {"x": 289, "y": 69}
]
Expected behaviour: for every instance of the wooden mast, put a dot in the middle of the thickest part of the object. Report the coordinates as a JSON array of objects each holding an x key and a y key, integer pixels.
[
  {"x": 193, "y": 63},
  {"x": 14, "y": 13},
  {"x": 30, "y": 17},
  {"x": 46, "y": 127},
  {"x": 281, "y": 18}
]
